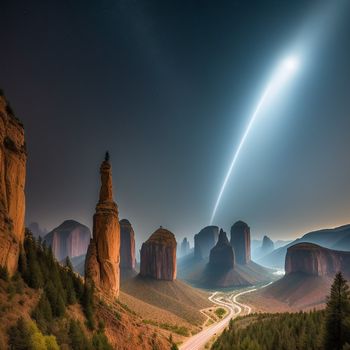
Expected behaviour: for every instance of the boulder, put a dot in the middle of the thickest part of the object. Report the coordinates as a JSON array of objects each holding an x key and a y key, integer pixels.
[
  {"x": 71, "y": 239},
  {"x": 204, "y": 241},
  {"x": 127, "y": 245},
  {"x": 221, "y": 256},
  {"x": 13, "y": 159},
  {"x": 240, "y": 241},
  {"x": 315, "y": 260},
  {"x": 103, "y": 256},
  {"x": 158, "y": 256}
]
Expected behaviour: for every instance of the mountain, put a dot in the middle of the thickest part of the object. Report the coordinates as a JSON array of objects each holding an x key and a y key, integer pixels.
[
  {"x": 36, "y": 230},
  {"x": 336, "y": 238},
  {"x": 71, "y": 239}
]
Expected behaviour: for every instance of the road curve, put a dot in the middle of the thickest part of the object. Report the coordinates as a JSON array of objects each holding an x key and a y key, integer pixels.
[{"x": 235, "y": 308}]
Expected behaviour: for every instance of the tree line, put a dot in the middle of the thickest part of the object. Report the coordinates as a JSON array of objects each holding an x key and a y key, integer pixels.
[{"x": 328, "y": 329}]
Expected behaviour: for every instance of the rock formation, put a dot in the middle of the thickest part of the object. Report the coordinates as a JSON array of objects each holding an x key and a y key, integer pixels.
[
  {"x": 204, "y": 241},
  {"x": 103, "y": 255},
  {"x": 240, "y": 241},
  {"x": 221, "y": 256},
  {"x": 158, "y": 256},
  {"x": 267, "y": 245},
  {"x": 127, "y": 245},
  {"x": 315, "y": 260},
  {"x": 12, "y": 181},
  {"x": 68, "y": 239},
  {"x": 185, "y": 247}
]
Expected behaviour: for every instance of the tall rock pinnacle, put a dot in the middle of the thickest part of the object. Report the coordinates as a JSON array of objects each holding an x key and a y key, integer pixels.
[
  {"x": 103, "y": 255},
  {"x": 240, "y": 241}
]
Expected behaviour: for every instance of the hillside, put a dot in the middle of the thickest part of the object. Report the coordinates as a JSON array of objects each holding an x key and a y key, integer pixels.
[
  {"x": 46, "y": 302},
  {"x": 337, "y": 238},
  {"x": 273, "y": 331},
  {"x": 170, "y": 300}
]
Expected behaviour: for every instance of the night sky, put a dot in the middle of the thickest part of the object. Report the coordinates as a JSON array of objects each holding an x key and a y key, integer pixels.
[{"x": 168, "y": 88}]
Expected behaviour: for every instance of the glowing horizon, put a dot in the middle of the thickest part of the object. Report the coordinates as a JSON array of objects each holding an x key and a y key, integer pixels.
[{"x": 279, "y": 77}]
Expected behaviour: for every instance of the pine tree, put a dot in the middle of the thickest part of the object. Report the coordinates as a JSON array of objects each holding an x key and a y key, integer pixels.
[{"x": 337, "y": 315}]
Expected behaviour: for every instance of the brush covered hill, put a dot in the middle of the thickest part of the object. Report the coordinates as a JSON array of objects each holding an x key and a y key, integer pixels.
[
  {"x": 337, "y": 238},
  {"x": 171, "y": 302},
  {"x": 197, "y": 273},
  {"x": 46, "y": 306}
]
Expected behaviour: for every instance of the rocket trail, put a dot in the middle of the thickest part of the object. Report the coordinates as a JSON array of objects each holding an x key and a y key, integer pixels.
[{"x": 279, "y": 78}]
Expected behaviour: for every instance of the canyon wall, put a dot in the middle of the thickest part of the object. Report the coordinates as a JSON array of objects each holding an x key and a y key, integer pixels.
[
  {"x": 158, "y": 256},
  {"x": 103, "y": 255},
  {"x": 185, "y": 247},
  {"x": 13, "y": 159}
]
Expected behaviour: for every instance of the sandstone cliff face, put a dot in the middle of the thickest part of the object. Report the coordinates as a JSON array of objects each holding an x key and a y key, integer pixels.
[
  {"x": 158, "y": 256},
  {"x": 103, "y": 256},
  {"x": 240, "y": 241},
  {"x": 221, "y": 256},
  {"x": 127, "y": 245},
  {"x": 204, "y": 241},
  {"x": 315, "y": 260},
  {"x": 68, "y": 239},
  {"x": 12, "y": 181},
  {"x": 185, "y": 247}
]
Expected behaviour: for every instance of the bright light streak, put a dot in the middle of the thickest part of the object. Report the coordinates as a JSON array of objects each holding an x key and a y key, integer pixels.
[{"x": 282, "y": 74}]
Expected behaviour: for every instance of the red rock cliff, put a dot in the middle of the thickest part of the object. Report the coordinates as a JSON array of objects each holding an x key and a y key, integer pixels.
[
  {"x": 127, "y": 245},
  {"x": 69, "y": 239},
  {"x": 315, "y": 260},
  {"x": 221, "y": 256},
  {"x": 240, "y": 241},
  {"x": 158, "y": 256},
  {"x": 12, "y": 181},
  {"x": 103, "y": 255}
]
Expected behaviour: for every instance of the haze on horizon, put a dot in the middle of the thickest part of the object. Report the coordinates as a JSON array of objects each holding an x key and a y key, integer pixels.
[{"x": 167, "y": 88}]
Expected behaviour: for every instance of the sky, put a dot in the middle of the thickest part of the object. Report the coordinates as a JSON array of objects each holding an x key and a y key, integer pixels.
[{"x": 168, "y": 88}]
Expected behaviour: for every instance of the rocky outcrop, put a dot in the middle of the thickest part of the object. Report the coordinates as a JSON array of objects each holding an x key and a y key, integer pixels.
[
  {"x": 127, "y": 245},
  {"x": 315, "y": 260},
  {"x": 240, "y": 241},
  {"x": 68, "y": 239},
  {"x": 103, "y": 255},
  {"x": 13, "y": 159},
  {"x": 267, "y": 245},
  {"x": 221, "y": 256},
  {"x": 185, "y": 247},
  {"x": 204, "y": 241},
  {"x": 158, "y": 256}
]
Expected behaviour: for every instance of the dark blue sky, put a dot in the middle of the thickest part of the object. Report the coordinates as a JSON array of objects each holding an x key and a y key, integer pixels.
[{"x": 168, "y": 88}]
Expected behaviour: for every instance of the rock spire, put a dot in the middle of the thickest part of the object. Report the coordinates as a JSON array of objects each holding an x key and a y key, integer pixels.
[{"x": 103, "y": 255}]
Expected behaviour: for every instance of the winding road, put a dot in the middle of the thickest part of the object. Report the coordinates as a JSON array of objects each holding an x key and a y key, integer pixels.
[{"x": 228, "y": 300}]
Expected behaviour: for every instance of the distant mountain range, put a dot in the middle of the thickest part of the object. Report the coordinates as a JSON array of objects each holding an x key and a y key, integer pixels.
[{"x": 337, "y": 238}]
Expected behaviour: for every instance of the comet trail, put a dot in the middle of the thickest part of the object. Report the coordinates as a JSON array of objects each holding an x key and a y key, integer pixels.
[{"x": 281, "y": 75}]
